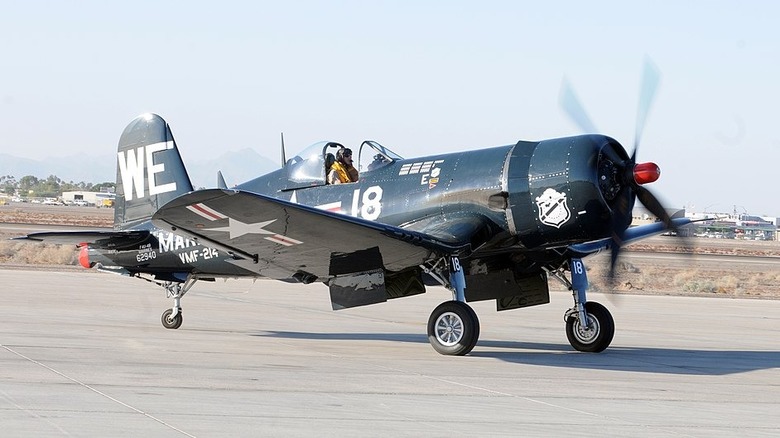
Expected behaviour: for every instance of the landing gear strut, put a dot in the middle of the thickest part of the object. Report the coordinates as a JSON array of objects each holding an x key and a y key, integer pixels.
[
  {"x": 172, "y": 318},
  {"x": 453, "y": 327},
  {"x": 589, "y": 325}
]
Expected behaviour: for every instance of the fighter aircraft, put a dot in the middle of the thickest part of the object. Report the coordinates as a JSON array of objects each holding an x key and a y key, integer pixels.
[{"x": 488, "y": 224}]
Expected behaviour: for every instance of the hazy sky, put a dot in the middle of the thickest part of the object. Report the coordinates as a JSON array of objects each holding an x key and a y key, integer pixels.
[{"x": 418, "y": 76}]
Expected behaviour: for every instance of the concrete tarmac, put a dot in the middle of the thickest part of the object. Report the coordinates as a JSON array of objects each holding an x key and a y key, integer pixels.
[{"x": 84, "y": 354}]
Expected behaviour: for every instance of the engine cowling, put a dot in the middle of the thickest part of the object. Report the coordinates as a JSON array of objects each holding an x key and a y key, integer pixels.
[{"x": 567, "y": 190}]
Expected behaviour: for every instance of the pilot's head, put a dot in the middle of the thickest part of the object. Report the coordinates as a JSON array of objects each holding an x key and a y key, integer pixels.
[{"x": 344, "y": 155}]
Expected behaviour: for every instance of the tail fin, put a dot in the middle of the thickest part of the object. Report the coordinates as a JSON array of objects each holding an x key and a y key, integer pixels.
[{"x": 149, "y": 171}]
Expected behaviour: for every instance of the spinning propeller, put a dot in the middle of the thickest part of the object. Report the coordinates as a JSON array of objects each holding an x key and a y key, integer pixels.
[{"x": 629, "y": 174}]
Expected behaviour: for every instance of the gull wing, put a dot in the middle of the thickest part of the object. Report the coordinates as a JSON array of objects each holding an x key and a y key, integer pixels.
[
  {"x": 280, "y": 239},
  {"x": 632, "y": 235}
]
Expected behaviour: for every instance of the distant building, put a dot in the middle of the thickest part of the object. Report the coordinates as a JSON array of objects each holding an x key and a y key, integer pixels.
[
  {"x": 716, "y": 225},
  {"x": 91, "y": 198},
  {"x": 642, "y": 215},
  {"x": 734, "y": 226}
]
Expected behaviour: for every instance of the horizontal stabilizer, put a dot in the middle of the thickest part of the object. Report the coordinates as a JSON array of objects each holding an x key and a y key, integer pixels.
[{"x": 96, "y": 239}]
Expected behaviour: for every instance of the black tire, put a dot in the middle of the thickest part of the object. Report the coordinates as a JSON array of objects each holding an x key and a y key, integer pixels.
[
  {"x": 171, "y": 323},
  {"x": 596, "y": 339},
  {"x": 453, "y": 328}
]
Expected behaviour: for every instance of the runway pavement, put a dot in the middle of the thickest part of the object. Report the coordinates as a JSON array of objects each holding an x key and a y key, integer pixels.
[{"x": 84, "y": 354}]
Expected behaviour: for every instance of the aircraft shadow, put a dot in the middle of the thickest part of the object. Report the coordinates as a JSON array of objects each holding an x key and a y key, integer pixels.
[{"x": 630, "y": 359}]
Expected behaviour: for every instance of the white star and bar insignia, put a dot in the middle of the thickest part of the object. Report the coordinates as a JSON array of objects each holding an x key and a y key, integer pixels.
[{"x": 236, "y": 228}]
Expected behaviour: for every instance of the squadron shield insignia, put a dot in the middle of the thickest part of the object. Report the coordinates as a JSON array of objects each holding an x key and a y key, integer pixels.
[{"x": 553, "y": 209}]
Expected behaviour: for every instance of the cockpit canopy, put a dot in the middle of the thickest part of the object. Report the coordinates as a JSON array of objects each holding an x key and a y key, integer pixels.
[{"x": 309, "y": 167}]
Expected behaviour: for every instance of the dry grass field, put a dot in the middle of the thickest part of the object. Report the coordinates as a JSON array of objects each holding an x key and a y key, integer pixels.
[
  {"x": 20, "y": 253},
  {"x": 719, "y": 267},
  {"x": 24, "y": 213},
  {"x": 637, "y": 274}
]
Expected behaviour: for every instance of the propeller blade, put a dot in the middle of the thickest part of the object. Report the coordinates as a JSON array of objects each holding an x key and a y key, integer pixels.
[
  {"x": 620, "y": 220},
  {"x": 654, "y": 206},
  {"x": 621, "y": 212},
  {"x": 574, "y": 109},
  {"x": 614, "y": 254},
  {"x": 622, "y": 216},
  {"x": 651, "y": 77}
]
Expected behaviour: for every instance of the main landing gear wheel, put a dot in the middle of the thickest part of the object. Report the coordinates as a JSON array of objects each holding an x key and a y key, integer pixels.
[
  {"x": 171, "y": 322},
  {"x": 597, "y": 336},
  {"x": 453, "y": 328}
]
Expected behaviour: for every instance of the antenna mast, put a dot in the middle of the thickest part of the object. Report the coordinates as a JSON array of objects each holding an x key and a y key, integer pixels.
[{"x": 284, "y": 158}]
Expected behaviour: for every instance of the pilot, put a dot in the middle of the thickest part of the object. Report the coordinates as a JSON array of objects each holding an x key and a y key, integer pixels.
[{"x": 342, "y": 171}]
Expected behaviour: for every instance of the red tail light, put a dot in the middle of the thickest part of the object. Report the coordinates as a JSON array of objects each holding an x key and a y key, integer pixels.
[{"x": 645, "y": 173}]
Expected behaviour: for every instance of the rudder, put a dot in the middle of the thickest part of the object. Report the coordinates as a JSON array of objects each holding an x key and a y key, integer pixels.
[{"x": 149, "y": 172}]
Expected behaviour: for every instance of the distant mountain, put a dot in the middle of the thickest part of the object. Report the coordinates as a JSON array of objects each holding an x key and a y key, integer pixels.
[
  {"x": 76, "y": 168},
  {"x": 237, "y": 167}
]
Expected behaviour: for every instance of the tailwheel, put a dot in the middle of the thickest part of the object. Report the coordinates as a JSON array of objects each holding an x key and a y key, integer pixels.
[
  {"x": 598, "y": 334},
  {"x": 453, "y": 328},
  {"x": 172, "y": 318},
  {"x": 170, "y": 321}
]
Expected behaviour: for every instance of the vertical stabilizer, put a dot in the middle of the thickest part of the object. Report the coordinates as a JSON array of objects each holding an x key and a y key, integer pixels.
[{"x": 149, "y": 171}]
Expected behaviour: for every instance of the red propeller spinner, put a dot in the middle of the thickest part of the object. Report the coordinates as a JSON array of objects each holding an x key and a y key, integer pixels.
[{"x": 646, "y": 173}]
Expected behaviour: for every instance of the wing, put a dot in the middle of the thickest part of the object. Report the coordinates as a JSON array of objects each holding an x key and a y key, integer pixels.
[
  {"x": 97, "y": 239},
  {"x": 631, "y": 235},
  {"x": 280, "y": 239},
  {"x": 459, "y": 229}
]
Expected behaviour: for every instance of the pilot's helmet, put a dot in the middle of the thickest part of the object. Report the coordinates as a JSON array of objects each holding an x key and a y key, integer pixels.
[{"x": 343, "y": 152}]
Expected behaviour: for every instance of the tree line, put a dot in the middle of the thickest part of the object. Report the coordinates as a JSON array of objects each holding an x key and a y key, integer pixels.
[{"x": 51, "y": 187}]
